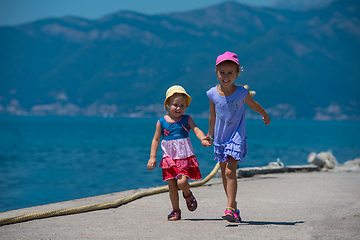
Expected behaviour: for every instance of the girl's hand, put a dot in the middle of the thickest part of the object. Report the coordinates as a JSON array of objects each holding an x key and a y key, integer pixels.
[
  {"x": 151, "y": 163},
  {"x": 266, "y": 119},
  {"x": 206, "y": 142}
]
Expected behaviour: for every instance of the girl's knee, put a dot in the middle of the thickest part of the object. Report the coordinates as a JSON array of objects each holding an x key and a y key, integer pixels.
[
  {"x": 182, "y": 181},
  {"x": 230, "y": 173}
]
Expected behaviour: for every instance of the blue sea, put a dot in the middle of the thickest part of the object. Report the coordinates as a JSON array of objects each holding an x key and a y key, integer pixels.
[{"x": 50, "y": 159}]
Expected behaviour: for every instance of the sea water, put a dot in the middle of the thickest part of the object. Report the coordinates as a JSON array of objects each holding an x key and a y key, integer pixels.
[{"x": 50, "y": 159}]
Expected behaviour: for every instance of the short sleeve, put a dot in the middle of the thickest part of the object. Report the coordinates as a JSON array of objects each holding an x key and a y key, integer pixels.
[
  {"x": 243, "y": 93},
  {"x": 210, "y": 94}
]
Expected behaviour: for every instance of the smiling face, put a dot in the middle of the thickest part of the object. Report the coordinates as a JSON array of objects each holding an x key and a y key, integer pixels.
[
  {"x": 226, "y": 73},
  {"x": 177, "y": 106}
]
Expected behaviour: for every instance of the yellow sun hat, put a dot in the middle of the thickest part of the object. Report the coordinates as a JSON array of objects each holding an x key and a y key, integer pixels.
[{"x": 177, "y": 89}]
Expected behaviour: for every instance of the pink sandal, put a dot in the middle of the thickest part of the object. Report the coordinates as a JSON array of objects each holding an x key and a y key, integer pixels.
[
  {"x": 191, "y": 205},
  {"x": 174, "y": 215},
  {"x": 232, "y": 215}
]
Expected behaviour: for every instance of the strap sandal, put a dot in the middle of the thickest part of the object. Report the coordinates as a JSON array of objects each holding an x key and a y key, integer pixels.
[
  {"x": 191, "y": 205},
  {"x": 174, "y": 215},
  {"x": 232, "y": 215},
  {"x": 238, "y": 219}
]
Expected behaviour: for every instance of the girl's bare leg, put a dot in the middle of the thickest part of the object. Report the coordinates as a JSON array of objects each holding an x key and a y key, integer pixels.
[
  {"x": 183, "y": 184},
  {"x": 173, "y": 193},
  {"x": 223, "y": 167},
  {"x": 231, "y": 181}
]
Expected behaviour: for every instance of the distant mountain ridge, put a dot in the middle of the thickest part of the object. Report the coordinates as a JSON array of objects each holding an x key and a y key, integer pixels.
[
  {"x": 302, "y": 64},
  {"x": 299, "y": 5}
]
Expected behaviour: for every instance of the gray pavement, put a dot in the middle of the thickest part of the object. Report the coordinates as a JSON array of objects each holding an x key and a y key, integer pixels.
[{"x": 301, "y": 205}]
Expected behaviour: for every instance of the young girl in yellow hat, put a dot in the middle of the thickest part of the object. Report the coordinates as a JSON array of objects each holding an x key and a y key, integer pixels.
[{"x": 178, "y": 162}]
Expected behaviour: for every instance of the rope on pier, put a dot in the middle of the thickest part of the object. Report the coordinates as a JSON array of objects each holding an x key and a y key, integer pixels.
[{"x": 100, "y": 206}]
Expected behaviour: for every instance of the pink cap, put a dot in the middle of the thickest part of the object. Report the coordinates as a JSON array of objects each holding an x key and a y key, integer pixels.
[{"x": 227, "y": 56}]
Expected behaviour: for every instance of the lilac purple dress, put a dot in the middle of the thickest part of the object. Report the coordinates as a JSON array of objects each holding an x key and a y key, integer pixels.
[{"x": 229, "y": 131}]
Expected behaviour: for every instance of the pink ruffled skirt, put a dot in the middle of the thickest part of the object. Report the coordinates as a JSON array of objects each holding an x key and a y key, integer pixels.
[
  {"x": 179, "y": 159},
  {"x": 184, "y": 167}
]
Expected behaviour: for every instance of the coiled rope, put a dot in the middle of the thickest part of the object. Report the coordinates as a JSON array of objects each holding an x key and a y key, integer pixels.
[{"x": 99, "y": 206}]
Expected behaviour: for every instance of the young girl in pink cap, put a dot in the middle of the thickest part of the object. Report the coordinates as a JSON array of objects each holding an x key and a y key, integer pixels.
[
  {"x": 178, "y": 161},
  {"x": 227, "y": 126}
]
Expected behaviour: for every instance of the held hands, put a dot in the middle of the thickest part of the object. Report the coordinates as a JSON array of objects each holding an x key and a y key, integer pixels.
[
  {"x": 151, "y": 163},
  {"x": 207, "y": 141}
]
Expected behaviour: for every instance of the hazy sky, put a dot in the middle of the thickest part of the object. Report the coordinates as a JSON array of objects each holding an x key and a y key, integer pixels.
[{"x": 14, "y": 12}]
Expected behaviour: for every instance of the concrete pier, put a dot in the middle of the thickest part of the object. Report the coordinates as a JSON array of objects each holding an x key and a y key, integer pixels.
[{"x": 290, "y": 205}]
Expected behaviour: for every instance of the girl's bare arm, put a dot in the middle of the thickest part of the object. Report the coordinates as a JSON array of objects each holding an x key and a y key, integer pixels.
[
  {"x": 199, "y": 134},
  {"x": 154, "y": 147},
  {"x": 212, "y": 118},
  {"x": 255, "y": 106}
]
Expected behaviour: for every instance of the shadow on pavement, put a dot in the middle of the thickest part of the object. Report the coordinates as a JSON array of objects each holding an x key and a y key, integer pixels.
[
  {"x": 261, "y": 223},
  {"x": 248, "y": 222}
]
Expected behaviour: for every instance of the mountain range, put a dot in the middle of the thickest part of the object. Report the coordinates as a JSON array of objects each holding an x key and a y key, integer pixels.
[{"x": 302, "y": 64}]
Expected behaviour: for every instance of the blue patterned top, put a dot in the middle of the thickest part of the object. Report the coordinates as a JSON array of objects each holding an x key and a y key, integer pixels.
[{"x": 175, "y": 130}]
